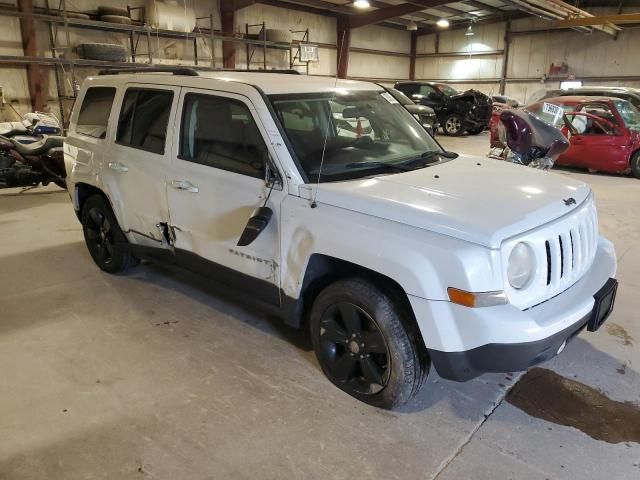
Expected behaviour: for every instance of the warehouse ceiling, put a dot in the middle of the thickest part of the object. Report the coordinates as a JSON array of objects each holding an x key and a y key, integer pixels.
[{"x": 425, "y": 13}]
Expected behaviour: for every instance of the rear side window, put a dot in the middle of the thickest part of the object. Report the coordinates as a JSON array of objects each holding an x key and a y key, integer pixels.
[
  {"x": 94, "y": 112},
  {"x": 144, "y": 118},
  {"x": 408, "y": 88},
  {"x": 221, "y": 133}
]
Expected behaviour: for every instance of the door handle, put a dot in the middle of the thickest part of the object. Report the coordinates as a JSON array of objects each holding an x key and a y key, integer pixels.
[
  {"x": 118, "y": 167},
  {"x": 184, "y": 185}
]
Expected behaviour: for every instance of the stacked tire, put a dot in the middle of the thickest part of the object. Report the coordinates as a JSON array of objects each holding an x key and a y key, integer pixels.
[{"x": 114, "y": 15}]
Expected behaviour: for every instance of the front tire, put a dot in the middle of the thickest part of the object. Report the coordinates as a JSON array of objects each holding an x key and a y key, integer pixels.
[
  {"x": 453, "y": 125},
  {"x": 104, "y": 238},
  {"x": 635, "y": 164},
  {"x": 363, "y": 346}
]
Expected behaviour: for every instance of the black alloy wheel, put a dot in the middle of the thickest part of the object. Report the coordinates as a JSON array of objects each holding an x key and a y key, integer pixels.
[
  {"x": 99, "y": 236},
  {"x": 353, "y": 349},
  {"x": 105, "y": 241},
  {"x": 365, "y": 343}
]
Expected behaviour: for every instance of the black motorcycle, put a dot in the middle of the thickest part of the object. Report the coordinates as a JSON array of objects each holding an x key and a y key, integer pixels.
[{"x": 32, "y": 164}]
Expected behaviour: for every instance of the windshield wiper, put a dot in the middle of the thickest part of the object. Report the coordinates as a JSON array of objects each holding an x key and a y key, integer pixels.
[
  {"x": 429, "y": 158},
  {"x": 377, "y": 166},
  {"x": 424, "y": 160}
]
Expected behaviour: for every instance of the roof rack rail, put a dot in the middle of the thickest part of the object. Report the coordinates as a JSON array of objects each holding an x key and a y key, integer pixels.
[
  {"x": 284, "y": 71},
  {"x": 175, "y": 70}
]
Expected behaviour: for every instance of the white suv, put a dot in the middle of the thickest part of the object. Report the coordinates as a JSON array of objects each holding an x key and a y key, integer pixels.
[{"x": 394, "y": 253}]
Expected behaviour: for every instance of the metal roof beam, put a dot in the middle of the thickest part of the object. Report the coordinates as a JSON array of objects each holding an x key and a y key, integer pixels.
[
  {"x": 392, "y": 11},
  {"x": 483, "y": 6}
]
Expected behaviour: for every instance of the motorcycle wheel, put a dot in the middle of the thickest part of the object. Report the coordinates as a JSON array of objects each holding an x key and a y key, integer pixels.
[{"x": 453, "y": 125}]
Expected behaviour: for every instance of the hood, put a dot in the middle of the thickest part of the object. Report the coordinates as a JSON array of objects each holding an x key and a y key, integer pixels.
[
  {"x": 419, "y": 109},
  {"x": 476, "y": 199},
  {"x": 473, "y": 96}
]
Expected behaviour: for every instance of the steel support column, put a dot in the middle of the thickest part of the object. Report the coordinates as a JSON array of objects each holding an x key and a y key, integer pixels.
[
  {"x": 228, "y": 21},
  {"x": 34, "y": 75},
  {"x": 505, "y": 56},
  {"x": 343, "y": 42},
  {"x": 413, "y": 53}
]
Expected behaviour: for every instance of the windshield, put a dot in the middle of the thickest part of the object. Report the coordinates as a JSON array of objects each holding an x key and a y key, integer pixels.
[
  {"x": 549, "y": 117},
  {"x": 367, "y": 133},
  {"x": 447, "y": 90},
  {"x": 629, "y": 113}
]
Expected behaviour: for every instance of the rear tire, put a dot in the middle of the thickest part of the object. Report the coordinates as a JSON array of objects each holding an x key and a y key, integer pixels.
[
  {"x": 104, "y": 238},
  {"x": 103, "y": 51},
  {"x": 634, "y": 163},
  {"x": 452, "y": 125},
  {"x": 121, "y": 12},
  {"x": 363, "y": 345}
]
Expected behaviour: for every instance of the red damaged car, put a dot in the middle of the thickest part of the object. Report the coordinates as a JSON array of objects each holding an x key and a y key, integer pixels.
[{"x": 604, "y": 132}]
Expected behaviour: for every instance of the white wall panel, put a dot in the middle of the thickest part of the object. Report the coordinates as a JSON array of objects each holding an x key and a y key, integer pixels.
[
  {"x": 378, "y": 66},
  {"x": 381, "y": 38}
]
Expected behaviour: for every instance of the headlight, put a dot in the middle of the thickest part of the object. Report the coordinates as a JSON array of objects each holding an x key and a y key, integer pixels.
[{"x": 520, "y": 266}]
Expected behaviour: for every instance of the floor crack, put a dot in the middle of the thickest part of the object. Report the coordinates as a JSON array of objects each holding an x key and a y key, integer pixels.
[{"x": 447, "y": 461}]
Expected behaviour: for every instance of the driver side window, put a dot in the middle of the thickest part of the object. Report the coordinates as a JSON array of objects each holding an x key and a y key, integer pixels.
[
  {"x": 592, "y": 125},
  {"x": 427, "y": 91},
  {"x": 220, "y": 132}
]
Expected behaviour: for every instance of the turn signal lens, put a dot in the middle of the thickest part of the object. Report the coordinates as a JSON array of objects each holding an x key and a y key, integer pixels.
[
  {"x": 461, "y": 297},
  {"x": 476, "y": 300}
]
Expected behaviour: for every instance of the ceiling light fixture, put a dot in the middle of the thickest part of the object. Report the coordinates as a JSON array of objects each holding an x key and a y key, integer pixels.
[
  {"x": 442, "y": 23},
  {"x": 469, "y": 32},
  {"x": 412, "y": 26},
  {"x": 361, "y": 4}
]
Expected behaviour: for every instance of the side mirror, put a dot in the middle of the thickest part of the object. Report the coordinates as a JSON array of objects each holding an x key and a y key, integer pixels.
[{"x": 257, "y": 223}]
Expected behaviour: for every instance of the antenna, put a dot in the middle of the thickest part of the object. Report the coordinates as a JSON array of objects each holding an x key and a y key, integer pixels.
[{"x": 314, "y": 204}]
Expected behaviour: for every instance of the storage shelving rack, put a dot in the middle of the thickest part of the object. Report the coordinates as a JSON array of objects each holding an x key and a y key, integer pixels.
[
  {"x": 293, "y": 48},
  {"x": 59, "y": 18}
]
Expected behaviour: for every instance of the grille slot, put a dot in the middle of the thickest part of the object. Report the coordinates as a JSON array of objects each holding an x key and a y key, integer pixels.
[
  {"x": 548, "y": 250},
  {"x": 561, "y": 257}
]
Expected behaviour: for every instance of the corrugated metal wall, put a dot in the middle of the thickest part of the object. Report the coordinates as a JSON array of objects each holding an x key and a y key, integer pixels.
[{"x": 596, "y": 55}]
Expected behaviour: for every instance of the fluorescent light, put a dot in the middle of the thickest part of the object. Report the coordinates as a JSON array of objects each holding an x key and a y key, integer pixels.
[
  {"x": 362, "y": 4},
  {"x": 412, "y": 26},
  {"x": 469, "y": 31},
  {"x": 442, "y": 23}
]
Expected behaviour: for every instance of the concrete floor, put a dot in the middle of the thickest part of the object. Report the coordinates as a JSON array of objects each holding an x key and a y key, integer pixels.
[{"x": 151, "y": 375}]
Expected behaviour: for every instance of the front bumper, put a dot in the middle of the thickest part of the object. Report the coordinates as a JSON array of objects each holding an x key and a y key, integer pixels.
[
  {"x": 466, "y": 342},
  {"x": 502, "y": 357}
]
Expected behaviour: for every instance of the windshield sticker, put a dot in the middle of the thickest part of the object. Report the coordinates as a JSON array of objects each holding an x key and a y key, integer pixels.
[
  {"x": 552, "y": 109},
  {"x": 388, "y": 97}
]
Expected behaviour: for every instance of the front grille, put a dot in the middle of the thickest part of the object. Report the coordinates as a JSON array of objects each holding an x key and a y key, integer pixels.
[
  {"x": 569, "y": 252},
  {"x": 564, "y": 250}
]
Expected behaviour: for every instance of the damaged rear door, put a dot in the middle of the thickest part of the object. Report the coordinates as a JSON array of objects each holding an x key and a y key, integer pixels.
[{"x": 216, "y": 181}]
